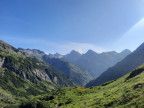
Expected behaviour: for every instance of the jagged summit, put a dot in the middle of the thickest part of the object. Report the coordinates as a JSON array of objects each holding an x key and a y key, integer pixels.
[
  {"x": 126, "y": 51},
  {"x": 74, "y": 52},
  {"x": 34, "y": 52},
  {"x": 90, "y": 52},
  {"x": 57, "y": 54},
  {"x": 73, "y": 55}
]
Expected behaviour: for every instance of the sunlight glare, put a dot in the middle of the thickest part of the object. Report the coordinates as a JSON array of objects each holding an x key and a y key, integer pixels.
[{"x": 133, "y": 36}]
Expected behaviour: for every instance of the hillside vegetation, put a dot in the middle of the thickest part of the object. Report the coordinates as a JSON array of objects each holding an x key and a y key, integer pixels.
[
  {"x": 22, "y": 77},
  {"x": 126, "y": 92}
]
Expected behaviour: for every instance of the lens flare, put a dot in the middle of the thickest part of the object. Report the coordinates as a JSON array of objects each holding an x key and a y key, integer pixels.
[{"x": 132, "y": 37}]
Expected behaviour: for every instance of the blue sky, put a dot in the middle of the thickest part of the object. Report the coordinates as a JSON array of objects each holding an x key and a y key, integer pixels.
[{"x": 63, "y": 25}]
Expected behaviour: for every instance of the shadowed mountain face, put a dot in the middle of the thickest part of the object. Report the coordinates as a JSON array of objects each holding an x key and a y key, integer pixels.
[
  {"x": 72, "y": 56},
  {"x": 95, "y": 63},
  {"x": 56, "y": 55},
  {"x": 133, "y": 60},
  {"x": 76, "y": 75}
]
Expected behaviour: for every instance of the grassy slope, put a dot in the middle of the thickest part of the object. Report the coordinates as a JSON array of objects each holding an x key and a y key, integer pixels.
[
  {"x": 15, "y": 89},
  {"x": 125, "y": 92}
]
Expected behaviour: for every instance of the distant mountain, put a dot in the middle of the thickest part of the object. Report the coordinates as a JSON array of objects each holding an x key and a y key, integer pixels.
[
  {"x": 95, "y": 63},
  {"x": 72, "y": 56},
  {"x": 56, "y": 55},
  {"x": 133, "y": 60},
  {"x": 125, "y": 52},
  {"x": 33, "y": 52},
  {"x": 76, "y": 75}
]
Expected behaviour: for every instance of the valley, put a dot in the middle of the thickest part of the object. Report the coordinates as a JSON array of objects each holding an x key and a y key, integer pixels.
[
  {"x": 124, "y": 92},
  {"x": 29, "y": 78},
  {"x": 71, "y": 53}
]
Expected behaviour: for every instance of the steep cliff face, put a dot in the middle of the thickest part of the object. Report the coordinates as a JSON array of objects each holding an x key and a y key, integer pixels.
[{"x": 25, "y": 67}]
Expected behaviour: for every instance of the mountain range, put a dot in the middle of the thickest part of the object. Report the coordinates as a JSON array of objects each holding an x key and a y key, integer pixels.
[
  {"x": 76, "y": 75},
  {"x": 30, "y": 78},
  {"x": 79, "y": 68},
  {"x": 130, "y": 62},
  {"x": 95, "y": 63}
]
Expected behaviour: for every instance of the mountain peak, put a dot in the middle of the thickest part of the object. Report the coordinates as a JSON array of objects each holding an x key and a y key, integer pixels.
[
  {"x": 75, "y": 52},
  {"x": 57, "y": 54},
  {"x": 32, "y": 51},
  {"x": 1, "y": 41},
  {"x": 125, "y": 52},
  {"x": 73, "y": 55},
  {"x": 91, "y": 52},
  {"x": 140, "y": 49},
  {"x": 4, "y": 45}
]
